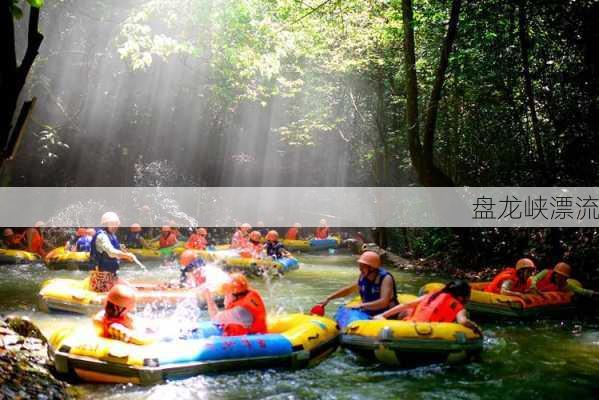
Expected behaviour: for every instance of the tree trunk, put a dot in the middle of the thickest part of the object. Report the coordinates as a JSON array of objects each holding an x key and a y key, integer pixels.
[
  {"x": 530, "y": 99},
  {"x": 422, "y": 155}
]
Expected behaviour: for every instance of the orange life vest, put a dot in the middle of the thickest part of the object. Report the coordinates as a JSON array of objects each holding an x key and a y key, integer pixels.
[
  {"x": 104, "y": 322},
  {"x": 238, "y": 240},
  {"x": 168, "y": 240},
  {"x": 254, "y": 304},
  {"x": 443, "y": 308},
  {"x": 546, "y": 284},
  {"x": 291, "y": 234},
  {"x": 322, "y": 232},
  {"x": 37, "y": 242},
  {"x": 196, "y": 241},
  {"x": 508, "y": 274}
]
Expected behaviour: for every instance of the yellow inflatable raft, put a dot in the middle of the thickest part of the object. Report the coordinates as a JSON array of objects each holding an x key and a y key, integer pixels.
[
  {"x": 487, "y": 304},
  {"x": 61, "y": 258},
  {"x": 248, "y": 265},
  {"x": 8, "y": 256},
  {"x": 74, "y": 296},
  {"x": 293, "y": 341}
]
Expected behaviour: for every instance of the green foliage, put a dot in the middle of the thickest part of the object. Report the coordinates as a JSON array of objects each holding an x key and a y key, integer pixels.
[{"x": 36, "y": 3}]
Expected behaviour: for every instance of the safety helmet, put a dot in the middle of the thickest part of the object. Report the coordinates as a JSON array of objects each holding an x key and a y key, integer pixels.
[
  {"x": 255, "y": 236},
  {"x": 202, "y": 231},
  {"x": 90, "y": 231},
  {"x": 80, "y": 232},
  {"x": 110, "y": 219},
  {"x": 238, "y": 284},
  {"x": 165, "y": 228},
  {"x": 563, "y": 269},
  {"x": 39, "y": 224},
  {"x": 122, "y": 296},
  {"x": 245, "y": 226},
  {"x": 524, "y": 263},
  {"x": 323, "y": 222},
  {"x": 297, "y": 225},
  {"x": 272, "y": 235},
  {"x": 8, "y": 232},
  {"x": 187, "y": 257},
  {"x": 135, "y": 227},
  {"x": 371, "y": 259}
]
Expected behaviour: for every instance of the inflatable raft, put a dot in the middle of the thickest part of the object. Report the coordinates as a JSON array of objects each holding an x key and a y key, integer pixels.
[
  {"x": 233, "y": 261},
  {"x": 61, "y": 258},
  {"x": 8, "y": 256},
  {"x": 293, "y": 341},
  {"x": 406, "y": 343},
  {"x": 70, "y": 295},
  {"x": 486, "y": 304},
  {"x": 312, "y": 244}
]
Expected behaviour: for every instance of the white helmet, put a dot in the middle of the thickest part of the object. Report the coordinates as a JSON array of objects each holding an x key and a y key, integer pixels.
[{"x": 110, "y": 219}]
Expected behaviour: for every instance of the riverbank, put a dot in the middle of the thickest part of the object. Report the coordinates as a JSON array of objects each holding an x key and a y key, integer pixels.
[{"x": 24, "y": 366}]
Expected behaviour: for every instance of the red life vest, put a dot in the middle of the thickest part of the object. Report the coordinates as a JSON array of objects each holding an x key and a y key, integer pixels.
[
  {"x": 37, "y": 242},
  {"x": 104, "y": 322},
  {"x": 196, "y": 241},
  {"x": 168, "y": 240},
  {"x": 546, "y": 284},
  {"x": 508, "y": 274},
  {"x": 254, "y": 304},
  {"x": 322, "y": 232},
  {"x": 443, "y": 308},
  {"x": 291, "y": 234}
]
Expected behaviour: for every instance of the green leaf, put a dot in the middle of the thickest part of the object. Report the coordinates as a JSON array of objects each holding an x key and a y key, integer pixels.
[
  {"x": 36, "y": 3},
  {"x": 16, "y": 11}
]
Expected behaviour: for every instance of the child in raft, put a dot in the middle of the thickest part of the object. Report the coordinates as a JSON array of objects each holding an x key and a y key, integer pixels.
[
  {"x": 115, "y": 322},
  {"x": 446, "y": 305},
  {"x": 255, "y": 247},
  {"x": 191, "y": 270},
  {"x": 275, "y": 249}
]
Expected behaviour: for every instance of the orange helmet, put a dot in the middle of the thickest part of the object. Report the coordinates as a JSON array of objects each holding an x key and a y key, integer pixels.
[
  {"x": 165, "y": 228},
  {"x": 8, "y": 232},
  {"x": 122, "y": 296},
  {"x": 238, "y": 284},
  {"x": 202, "y": 231},
  {"x": 80, "y": 232},
  {"x": 90, "y": 231},
  {"x": 187, "y": 257},
  {"x": 255, "y": 236},
  {"x": 135, "y": 227},
  {"x": 524, "y": 263},
  {"x": 245, "y": 226},
  {"x": 563, "y": 269},
  {"x": 272, "y": 235},
  {"x": 371, "y": 259}
]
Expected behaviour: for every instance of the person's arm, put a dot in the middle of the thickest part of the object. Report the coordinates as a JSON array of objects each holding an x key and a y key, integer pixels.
[
  {"x": 399, "y": 308},
  {"x": 343, "y": 292},
  {"x": 210, "y": 304},
  {"x": 384, "y": 300},
  {"x": 236, "y": 315},
  {"x": 536, "y": 278},
  {"x": 579, "y": 290},
  {"x": 103, "y": 244},
  {"x": 462, "y": 319},
  {"x": 506, "y": 289}
]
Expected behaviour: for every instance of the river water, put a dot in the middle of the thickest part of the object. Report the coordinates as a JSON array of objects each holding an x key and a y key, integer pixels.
[{"x": 543, "y": 360}]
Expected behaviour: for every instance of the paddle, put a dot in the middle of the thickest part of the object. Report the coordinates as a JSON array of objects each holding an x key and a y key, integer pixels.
[
  {"x": 136, "y": 261},
  {"x": 318, "y": 309}
]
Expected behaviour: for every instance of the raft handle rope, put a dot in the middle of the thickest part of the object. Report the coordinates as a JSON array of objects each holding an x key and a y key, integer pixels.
[
  {"x": 418, "y": 325},
  {"x": 514, "y": 305}
]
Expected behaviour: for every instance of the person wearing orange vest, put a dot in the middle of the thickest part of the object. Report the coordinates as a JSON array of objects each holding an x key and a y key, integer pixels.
[
  {"x": 12, "y": 240},
  {"x": 513, "y": 281},
  {"x": 35, "y": 239},
  {"x": 115, "y": 322},
  {"x": 376, "y": 286},
  {"x": 192, "y": 269},
  {"x": 197, "y": 240},
  {"x": 240, "y": 237},
  {"x": 446, "y": 305},
  {"x": 244, "y": 313},
  {"x": 168, "y": 238},
  {"x": 322, "y": 231},
  {"x": 557, "y": 280},
  {"x": 293, "y": 233},
  {"x": 255, "y": 247}
]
